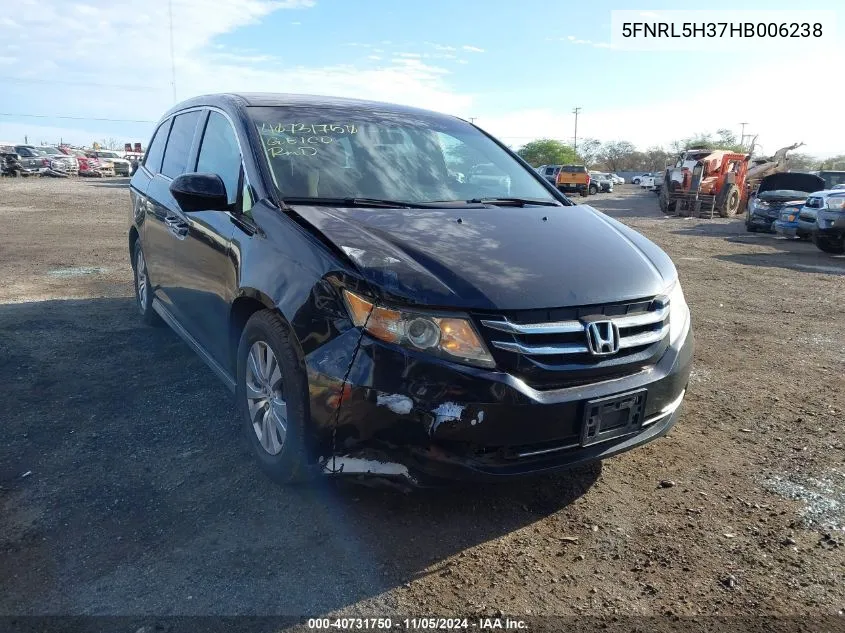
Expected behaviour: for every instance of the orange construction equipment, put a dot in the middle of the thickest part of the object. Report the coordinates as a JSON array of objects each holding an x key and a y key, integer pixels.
[{"x": 706, "y": 182}]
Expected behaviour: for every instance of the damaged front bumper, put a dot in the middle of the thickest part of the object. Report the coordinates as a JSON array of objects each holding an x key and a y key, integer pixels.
[
  {"x": 412, "y": 416},
  {"x": 763, "y": 220}
]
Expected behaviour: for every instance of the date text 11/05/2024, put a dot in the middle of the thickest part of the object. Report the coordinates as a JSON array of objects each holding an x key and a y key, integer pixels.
[
  {"x": 417, "y": 624},
  {"x": 722, "y": 29}
]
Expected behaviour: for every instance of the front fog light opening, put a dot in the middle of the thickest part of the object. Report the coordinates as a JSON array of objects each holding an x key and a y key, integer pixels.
[{"x": 423, "y": 333}]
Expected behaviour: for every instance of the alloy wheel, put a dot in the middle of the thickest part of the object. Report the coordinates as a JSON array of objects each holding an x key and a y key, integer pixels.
[
  {"x": 265, "y": 397},
  {"x": 141, "y": 279}
]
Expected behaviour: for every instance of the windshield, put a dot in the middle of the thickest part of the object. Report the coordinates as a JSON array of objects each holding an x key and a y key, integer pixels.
[
  {"x": 107, "y": 155},
  {"x": 388, "y": 155},
  {"x": 51, "y": 150}
]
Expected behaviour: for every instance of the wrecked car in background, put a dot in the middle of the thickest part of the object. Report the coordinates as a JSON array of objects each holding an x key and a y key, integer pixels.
[
  {"x": 110, "y": 159},
  {"x": 373, "y": 315},
  {"x": 829, "y": 233},
  {"x": 806, "y": 222},
  {"x": 777, "y": 194}
]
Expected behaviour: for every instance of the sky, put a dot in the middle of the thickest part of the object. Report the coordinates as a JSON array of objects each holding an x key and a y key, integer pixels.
[{"x": 82, "y": 71}]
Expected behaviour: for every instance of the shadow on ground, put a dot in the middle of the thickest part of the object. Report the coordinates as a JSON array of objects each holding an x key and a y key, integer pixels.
[
  {"x": 125, "y": 488},
  {"x": 791, "y": 254}
]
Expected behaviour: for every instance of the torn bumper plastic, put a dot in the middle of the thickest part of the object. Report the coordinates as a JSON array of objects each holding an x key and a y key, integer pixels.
[{"x": 416, "y": 417}]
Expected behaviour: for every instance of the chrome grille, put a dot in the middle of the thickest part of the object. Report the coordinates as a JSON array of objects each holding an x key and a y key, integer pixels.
[{"x": 550, "y": 348}]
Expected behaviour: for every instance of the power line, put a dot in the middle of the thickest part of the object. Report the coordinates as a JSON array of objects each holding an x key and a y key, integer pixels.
[
  {"x": 76, "y": 83},
  {"x": 74, "y": 118}
]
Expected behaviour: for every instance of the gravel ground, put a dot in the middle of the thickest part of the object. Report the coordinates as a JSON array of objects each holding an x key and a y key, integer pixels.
[{"x": 125, "y": 489}]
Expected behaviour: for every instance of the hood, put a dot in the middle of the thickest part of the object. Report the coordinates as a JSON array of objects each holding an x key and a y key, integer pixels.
[
  {"x": 791, "y": 181},
  {"x": 496, "y": 258}
]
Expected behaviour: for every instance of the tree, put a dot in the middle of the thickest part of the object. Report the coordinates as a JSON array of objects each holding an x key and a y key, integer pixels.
[
  {"x": 725, "y": 139},
  {"x": 802, "y": 162},
  {"x": 547, "y": 151},
  {"x": 615, "y": 153},
  {"x": 656, "y": 159},
  {"x": 589, "y": 151},
  {"x": 834, "y": 163},
  {"x": 109, "y": 143}
]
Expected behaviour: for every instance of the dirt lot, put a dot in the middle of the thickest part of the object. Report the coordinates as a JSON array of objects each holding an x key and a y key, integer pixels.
[{"x": 125, "y": 489}]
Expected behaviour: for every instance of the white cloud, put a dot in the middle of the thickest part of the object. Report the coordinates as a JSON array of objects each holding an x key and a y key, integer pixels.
[
  {"x": 472, "y": 49},
  {"x": 574, "y": 40},
  {"x": 374, "y": 57},
  {"x": 202, "y": 64},
  {"x": 410, "y": 55},
  {"x": 779, "y": 122}
]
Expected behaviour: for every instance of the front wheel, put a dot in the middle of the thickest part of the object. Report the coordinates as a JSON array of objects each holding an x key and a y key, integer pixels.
[
  {"x": 834, "y": 246},
  {"x": 635, "y": 181},
  {"x": 730, "y": 203},
  {"x": 272, "y": 398},
  {"x": 593, "y": 190}
]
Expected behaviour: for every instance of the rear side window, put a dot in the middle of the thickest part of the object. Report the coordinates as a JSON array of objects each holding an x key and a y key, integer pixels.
[
  {"x": 219, "y": 153},
  {"x": 179, "y": 144},
  {"x": 156, "y": 148}
]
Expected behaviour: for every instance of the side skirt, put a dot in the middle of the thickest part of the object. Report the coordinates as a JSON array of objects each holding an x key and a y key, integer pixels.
[{"x": 216, "y": 367}]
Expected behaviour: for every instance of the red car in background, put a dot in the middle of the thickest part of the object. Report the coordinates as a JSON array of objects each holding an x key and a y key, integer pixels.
[{"x": 88, "y": 165}]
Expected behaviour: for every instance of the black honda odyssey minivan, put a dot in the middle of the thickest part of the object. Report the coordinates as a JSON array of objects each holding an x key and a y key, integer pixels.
[{"x": 391, "y": 291}]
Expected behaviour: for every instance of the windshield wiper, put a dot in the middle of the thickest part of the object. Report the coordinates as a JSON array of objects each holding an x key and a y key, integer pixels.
[
  {"x": 515, "y": 202},
  {"x": 356, "y": 202}
]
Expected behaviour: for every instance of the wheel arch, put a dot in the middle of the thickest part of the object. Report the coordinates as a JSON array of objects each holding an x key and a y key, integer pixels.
[
  {"x": 248, "y": 302},
  {"x": 134, "y": 236}
]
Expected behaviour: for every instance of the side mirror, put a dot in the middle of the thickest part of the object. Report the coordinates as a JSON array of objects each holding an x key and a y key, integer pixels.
[{"x": 200, "y": 192}]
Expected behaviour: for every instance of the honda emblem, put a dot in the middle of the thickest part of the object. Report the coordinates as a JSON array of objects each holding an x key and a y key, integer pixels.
[{"x": 602, "y": 337}]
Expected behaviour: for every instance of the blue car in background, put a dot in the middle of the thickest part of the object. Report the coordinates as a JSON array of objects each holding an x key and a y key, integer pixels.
[
  {"x": 787, "y": 224},
  {"x": 777, "y": 201}
]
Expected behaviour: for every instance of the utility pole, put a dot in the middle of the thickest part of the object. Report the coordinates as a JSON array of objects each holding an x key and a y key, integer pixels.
[
  {"x": 575, "y": 143},
  {"x": 472, "y": 119},
  {"x": 742, "y": 134}
]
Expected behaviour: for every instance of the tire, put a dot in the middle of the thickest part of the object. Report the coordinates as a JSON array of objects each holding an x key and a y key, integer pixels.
[
  {"x": 635, "y": 181},
  {"x": 593, "y": 190},
  {"x": 730, "y": 202},
  {"x": 832, "y": 246},
  {"x": 283, "y": 456},
  {"x": 143, "y": 288},
  {"x": 584, "y": 193}
]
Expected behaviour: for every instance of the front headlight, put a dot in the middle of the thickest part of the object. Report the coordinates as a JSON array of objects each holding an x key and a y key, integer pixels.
[
  {"x": 760, "y": 204},
  {"x": 678, "y": 314},
  {"x": 448, "y": 337}
]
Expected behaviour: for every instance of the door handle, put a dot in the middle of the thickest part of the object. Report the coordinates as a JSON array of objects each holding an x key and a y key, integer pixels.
[{"x": 176, "y": 226}]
